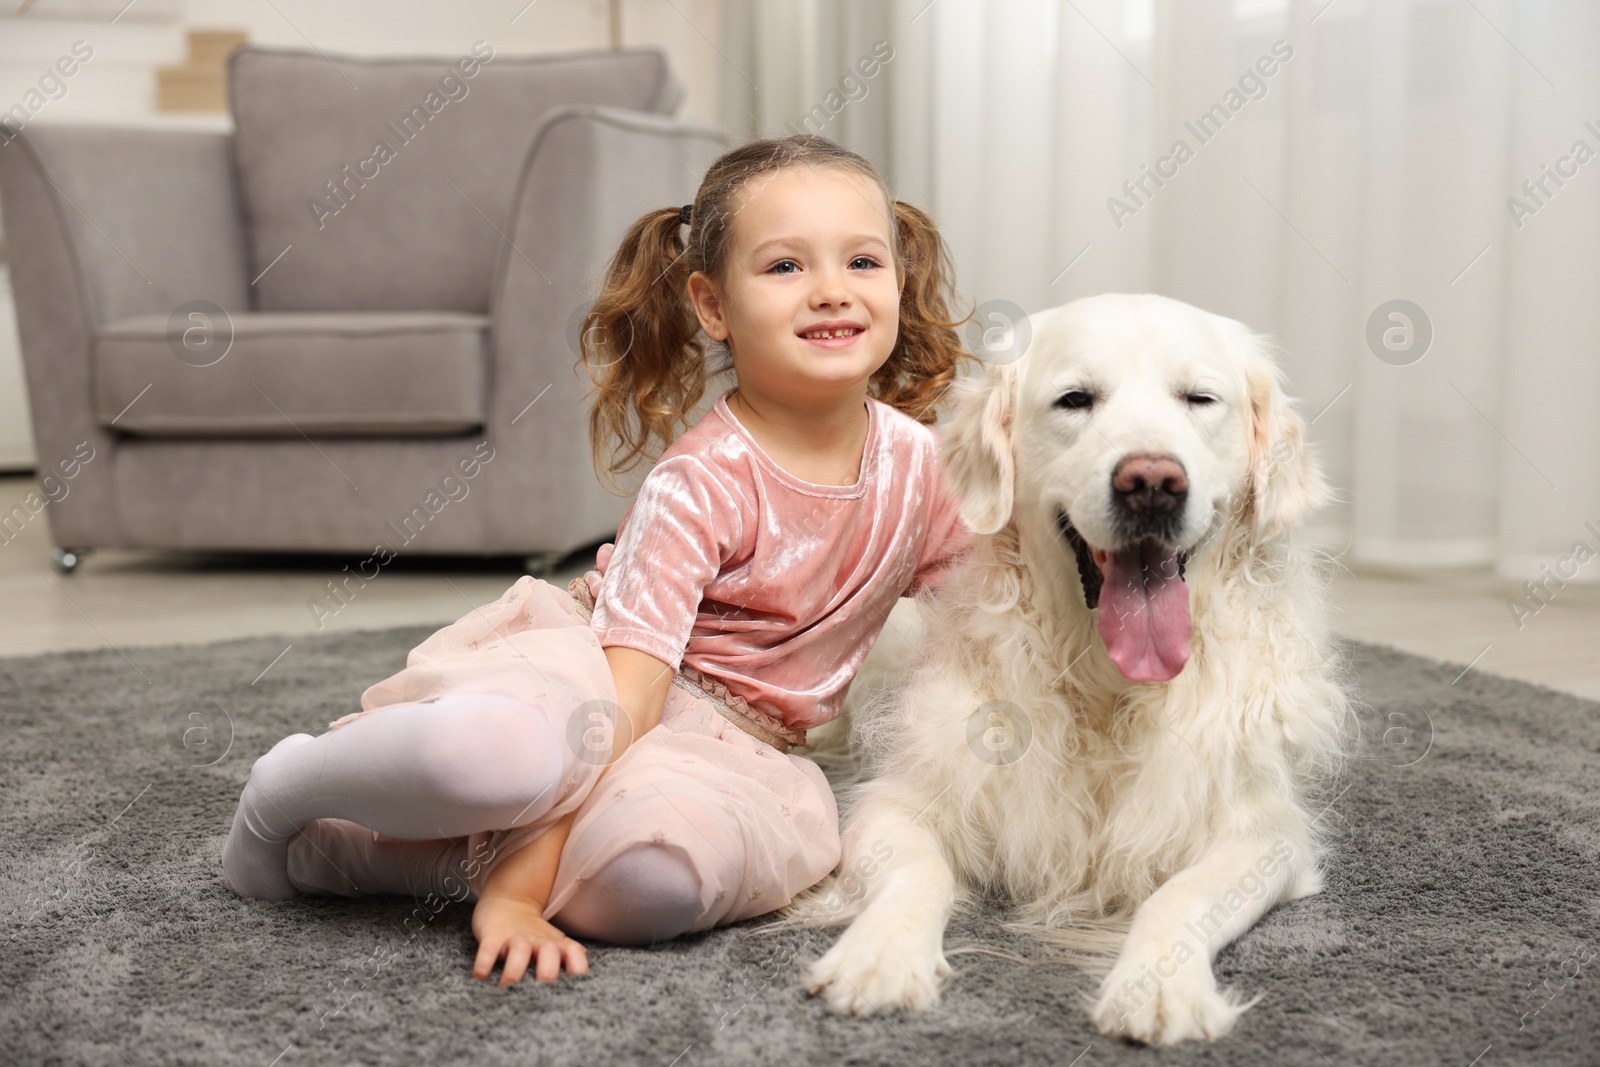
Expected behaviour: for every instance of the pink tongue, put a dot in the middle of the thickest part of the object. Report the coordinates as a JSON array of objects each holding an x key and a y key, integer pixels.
[{"x": 1144, "y": 613}]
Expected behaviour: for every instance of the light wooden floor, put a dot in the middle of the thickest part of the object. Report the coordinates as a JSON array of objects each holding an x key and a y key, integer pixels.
[{"x": 123, "y": 599}]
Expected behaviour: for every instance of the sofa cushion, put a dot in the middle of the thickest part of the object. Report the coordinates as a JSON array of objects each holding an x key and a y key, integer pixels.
[
  {"x": 283, "y": 375},
  {"x": 386, "y": 184}
]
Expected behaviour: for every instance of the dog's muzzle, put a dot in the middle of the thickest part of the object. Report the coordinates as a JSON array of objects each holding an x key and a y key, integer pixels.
[
  {"x": 1141, "y": 602},
  {"x": 1148, "y": 494},
  {"x": 1088, "y": 570}
]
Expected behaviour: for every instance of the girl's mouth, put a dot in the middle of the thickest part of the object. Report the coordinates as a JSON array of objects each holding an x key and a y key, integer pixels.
[{"x": 843, "y": 337}]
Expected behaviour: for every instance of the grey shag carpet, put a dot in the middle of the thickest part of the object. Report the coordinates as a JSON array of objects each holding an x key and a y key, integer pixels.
[{"x": 1460, "y": 922}]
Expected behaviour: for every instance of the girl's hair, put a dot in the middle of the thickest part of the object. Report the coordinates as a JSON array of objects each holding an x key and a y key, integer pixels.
[{"x": 642, "y": 343}]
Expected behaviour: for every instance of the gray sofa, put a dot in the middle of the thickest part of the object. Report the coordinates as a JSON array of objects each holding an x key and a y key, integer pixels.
[{"x": 349, "y": 323}]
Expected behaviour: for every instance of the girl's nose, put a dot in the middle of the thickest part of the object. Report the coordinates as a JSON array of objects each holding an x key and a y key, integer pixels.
[{"x": 830, "y": 288}]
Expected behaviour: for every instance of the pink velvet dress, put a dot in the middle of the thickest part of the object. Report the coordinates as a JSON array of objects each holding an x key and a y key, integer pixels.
[{"x": 765, "y": 593}]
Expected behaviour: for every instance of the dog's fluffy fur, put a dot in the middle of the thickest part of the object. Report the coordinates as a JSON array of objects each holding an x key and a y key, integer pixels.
[{"x": 1018, "y": 762}]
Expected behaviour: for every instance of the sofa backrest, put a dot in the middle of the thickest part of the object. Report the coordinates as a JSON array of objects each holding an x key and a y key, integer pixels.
[{"x": 386, "y": 184}]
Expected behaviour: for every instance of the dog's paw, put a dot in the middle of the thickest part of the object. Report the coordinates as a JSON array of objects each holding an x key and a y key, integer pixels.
[
  {"x": 1136, "y": 1003},
  {"x": 877, "y": 968}
]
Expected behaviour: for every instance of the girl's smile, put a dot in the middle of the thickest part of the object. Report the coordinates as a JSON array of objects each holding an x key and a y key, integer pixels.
[{"x": 835, "y": 333}]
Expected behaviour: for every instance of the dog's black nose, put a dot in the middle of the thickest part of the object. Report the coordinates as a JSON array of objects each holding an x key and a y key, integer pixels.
[{"x": 1149, "y": 489}]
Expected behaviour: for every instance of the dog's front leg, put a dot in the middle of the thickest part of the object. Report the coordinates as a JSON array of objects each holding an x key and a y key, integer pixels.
[
  {"x": 1162, "y": 990},
  {"x": 892, "y": 956}
]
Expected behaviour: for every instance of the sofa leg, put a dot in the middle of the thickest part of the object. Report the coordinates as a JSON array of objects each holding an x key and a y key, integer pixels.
[
  {"x": 67, "y": 559},
  {"x": 542, "y": 563}
]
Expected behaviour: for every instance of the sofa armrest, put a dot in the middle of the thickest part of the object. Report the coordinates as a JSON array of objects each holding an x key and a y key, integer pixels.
[
  {"x": 150, "y": 217},
  {"x": 104, "y": 223},
  {"x": 590, "y": 172}
]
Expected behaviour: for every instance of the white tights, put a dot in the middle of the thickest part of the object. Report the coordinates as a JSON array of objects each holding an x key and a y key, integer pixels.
[{"x": 433, "y": 773}]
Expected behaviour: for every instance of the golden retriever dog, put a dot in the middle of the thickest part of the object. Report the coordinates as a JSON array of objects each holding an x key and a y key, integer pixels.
[{"x": 1120, "y": 701}]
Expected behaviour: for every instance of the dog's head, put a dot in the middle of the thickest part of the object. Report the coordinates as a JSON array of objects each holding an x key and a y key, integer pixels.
[{"x": 1132, "y": 427}]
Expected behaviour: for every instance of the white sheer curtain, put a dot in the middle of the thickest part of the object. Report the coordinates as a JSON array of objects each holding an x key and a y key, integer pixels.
[{"x": 1375, "y": 162}]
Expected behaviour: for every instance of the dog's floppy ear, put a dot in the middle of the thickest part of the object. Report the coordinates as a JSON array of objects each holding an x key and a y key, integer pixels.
[
  {"x": 1285, "y": 482},
  {"x": 975, "y": 447}
]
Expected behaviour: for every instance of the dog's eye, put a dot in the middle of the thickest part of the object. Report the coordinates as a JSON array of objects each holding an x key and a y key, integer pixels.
[
  {"x": 1076, "y": 400},
  {"x": 1200, "y": 399}
]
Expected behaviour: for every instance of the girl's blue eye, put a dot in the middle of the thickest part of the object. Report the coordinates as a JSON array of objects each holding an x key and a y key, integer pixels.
[{"x": 774, "y": 268}]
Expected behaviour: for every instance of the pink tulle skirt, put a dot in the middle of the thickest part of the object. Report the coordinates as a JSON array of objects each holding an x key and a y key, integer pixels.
[{"x": 759, "y": 825}]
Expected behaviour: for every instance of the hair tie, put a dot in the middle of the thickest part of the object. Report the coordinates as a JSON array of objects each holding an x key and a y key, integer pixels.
[{"x": 684, "y": 212}]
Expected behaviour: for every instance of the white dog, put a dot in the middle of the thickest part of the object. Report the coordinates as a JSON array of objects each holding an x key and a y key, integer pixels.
[{"x": 1121, "y": 699}]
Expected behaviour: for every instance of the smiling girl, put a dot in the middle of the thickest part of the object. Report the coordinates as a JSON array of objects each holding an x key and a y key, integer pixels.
[{"x": 624, "y": 760}]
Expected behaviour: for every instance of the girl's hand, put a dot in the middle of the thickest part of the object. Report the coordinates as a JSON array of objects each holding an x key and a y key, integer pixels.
[{"x": 515, "y": 929}]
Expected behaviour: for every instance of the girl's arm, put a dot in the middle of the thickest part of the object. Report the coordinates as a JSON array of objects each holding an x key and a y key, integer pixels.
[
  {"x": 508, "y": 919},
  {"x": 642, "y": 681}
]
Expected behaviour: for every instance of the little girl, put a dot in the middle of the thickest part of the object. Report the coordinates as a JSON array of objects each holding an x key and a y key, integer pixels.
[{"x": 619, "y": 760}]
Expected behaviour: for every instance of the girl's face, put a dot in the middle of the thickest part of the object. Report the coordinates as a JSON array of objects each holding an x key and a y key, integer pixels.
[{"x": 811, "y": 246}]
